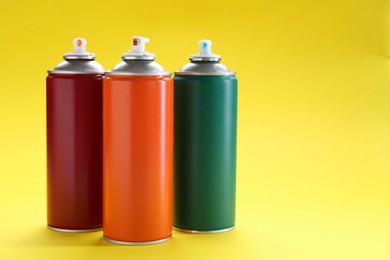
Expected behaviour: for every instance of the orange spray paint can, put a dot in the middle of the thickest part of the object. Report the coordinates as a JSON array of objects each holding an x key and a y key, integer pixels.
[{"x": 137, "y": 150}]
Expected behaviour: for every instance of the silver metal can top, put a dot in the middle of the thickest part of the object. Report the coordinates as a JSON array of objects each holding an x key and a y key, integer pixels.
[
  {"x": 137, "y": 61},
  {"x": 204, "y": 63},
  {"x": 79, "y": 61},
  {"x": 138, "y": 67},
  {"x": 205, "y": 68}
]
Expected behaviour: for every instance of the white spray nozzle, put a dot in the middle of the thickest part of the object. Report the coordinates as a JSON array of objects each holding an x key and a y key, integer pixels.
[
  {"x": 137, "y": 51},
  {"x": 139, "y": 44},
  {"x": 79, "y": 45},
  {"x": 205, "y": 53},
  {"x": 79, "y": 50},
  {"x": 205, "y": 47}
]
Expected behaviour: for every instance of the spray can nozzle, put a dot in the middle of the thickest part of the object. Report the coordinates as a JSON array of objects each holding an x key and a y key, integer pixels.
[
  {"x": 205, "y": 47},
  {"x": 205, "y": 53},
  {"x": 139, "y": 44},
  {"x": 79, "y": 45},
  {"x": 79, "y": 50},
  {"x": 137, "y": 51}
]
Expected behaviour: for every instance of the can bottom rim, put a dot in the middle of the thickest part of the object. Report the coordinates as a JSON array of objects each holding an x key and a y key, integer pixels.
[
  {"x": 144, "y": 243},
  {"x": 203, "y": 231},
  {"x": 65, "y": 230}
]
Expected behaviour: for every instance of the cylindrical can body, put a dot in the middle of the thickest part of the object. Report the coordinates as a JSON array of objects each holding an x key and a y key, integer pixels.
[
  {"x": 74, "y": 151},
  {"x": 205, "y": 121},
  {"x": 138, "y": 158}
]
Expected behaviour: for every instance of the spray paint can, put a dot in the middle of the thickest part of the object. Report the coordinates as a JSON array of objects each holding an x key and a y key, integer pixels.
[
  {"x": 74, "y": 142},
  {"x": 205, "y": 119},
  {"x": 138, "y": 150}
]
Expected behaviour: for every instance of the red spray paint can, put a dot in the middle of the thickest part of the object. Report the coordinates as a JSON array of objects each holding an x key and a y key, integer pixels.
[{"x": 74, "y": 142}]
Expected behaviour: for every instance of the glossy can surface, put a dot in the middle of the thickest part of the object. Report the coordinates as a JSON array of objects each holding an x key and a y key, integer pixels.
[
  {"x": 138, "y": 158},
  {"x": 205, "y": 121},
  {"x": 74, "y": 151}
]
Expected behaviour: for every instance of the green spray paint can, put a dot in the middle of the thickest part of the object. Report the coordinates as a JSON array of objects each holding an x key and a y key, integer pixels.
[{"x": 205, "y": 134}]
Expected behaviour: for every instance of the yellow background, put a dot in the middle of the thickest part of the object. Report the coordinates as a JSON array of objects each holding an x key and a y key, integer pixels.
[{"x": 314, "y": 121}]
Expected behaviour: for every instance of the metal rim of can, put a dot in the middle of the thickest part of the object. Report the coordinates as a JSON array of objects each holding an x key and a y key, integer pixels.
[
  {"x": 140, "y": 58},
  {"x": 193, "y": 58},
  {"x": 146, "y": 243},
  {"x": 137, "y": 74},
  {"x": 189, "y": 73},
  {"x": 74, "y": 72},
  {"x": 64, "y": 230},
  {"x": 90, "y": 56},
  {"x": 204, "y": 232}
]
